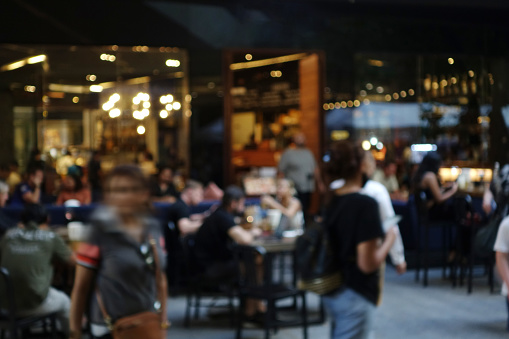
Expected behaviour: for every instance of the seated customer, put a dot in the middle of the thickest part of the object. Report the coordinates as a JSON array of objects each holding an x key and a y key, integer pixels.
[
  {"x": 214, "y": 239},
  {"x": 73, "y": 189},
  {"x": 27, "y": 252},
  {"x": 426, "y": 180},
  {"x": 29, "y": 191},
  {"x": 387, "y": 176},
  {"x": 181, "y": 223},
  {"x": 180, "y": 212},
  {"x": 5, "y": 222},
  {"x": 289, "y": 206},
  {"x": 162, "y": 188}
]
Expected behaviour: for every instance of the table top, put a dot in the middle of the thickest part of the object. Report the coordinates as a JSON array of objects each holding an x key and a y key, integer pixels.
[{"x": 272, "y": 245}]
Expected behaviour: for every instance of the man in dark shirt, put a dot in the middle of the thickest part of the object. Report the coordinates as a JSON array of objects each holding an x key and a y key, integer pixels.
[
  {"x": 214, "y": 238},
  {"x": 181, "y": 223},
  {"x": 218, "y": 231},
  {"x": 162, "y": 188},
  {"x": 29, "y": 192}
]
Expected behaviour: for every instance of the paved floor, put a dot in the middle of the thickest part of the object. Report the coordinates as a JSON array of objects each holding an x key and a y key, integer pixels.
[{"x": 408, "y": 311}]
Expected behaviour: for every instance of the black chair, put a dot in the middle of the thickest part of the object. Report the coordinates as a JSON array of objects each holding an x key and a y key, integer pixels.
[
  {"x": 468, "y": 226},
  {"x": 199, "y": 286},
  {"x": 14, "y": 324},
  {"x": 424, "y": 225},
  {"x": 251, "y": 288}
]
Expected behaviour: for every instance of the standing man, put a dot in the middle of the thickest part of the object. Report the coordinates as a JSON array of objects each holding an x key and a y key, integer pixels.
[
  {"x": 5, "y": 222},
  {"x": 298, "y": 165},
  {"x": 29, "y": 192},
  {"x": 28, "y": 252}
]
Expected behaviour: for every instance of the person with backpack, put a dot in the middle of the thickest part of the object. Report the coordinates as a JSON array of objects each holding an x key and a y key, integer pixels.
[{"x": 358, "y": 242}]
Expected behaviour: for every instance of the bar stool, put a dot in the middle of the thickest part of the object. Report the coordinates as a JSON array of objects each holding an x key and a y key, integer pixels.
[{"x": 424, "y": 225}]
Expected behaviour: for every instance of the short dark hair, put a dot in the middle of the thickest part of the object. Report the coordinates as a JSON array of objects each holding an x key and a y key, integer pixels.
[
  {"x": 232, "y": 193},
  {"x": 345, "y": 160},
  {"x": 34, "y": 169},
  {"x": 128, "y": 171},
  {"x": 192, "y": 184},
  {"x": 35, "y": 213}
]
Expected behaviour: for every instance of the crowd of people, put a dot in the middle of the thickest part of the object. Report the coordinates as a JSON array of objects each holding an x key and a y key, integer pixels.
[{"x": 118, "y": 264}]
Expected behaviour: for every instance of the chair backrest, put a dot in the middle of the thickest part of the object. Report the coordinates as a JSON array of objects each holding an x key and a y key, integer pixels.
[
  {"x": 188, "y": 257},
  {"x": 248, "y": 258},
  {"x": 463, "y": 206},
  {"x": 421, "y": 204},
  {"x": 7, "y": 295}
]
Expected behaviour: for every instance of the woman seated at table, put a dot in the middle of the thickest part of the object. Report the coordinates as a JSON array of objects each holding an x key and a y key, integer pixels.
[
  {"x": 426, "y": 180},
  {"x": 286, "y": 202},
  {"x": 73, "y": 189}
]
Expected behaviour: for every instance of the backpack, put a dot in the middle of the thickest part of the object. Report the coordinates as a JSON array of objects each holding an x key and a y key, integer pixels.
[{"x": 317, "y": 268}]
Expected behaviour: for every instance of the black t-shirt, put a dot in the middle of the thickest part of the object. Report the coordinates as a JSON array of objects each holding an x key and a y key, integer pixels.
[
  {"x": 213, "y": 244},
  {"x": 177, "y": 211},
  {"x": 156, "y": 191},
  {"x": 355, "y": 218}
]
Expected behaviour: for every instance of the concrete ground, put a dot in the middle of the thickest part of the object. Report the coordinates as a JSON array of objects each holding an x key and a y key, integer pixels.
[{"x": 408, "y": 311}]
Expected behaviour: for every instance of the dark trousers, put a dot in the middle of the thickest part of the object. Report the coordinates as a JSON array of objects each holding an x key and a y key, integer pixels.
[{"x": 305, "y": 201}]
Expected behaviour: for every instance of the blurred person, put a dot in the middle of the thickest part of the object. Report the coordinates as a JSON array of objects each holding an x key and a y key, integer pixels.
[
  {"x": 378, "y": 192},
  {"x": 162, "y": 189},
  {"x": 95, "y": 175},
  {"x": 502, "y": 259},
  {"x": 117, "y": 258},
  {"x": 298, "y": 165},
  {"x": 73, "y": 189},
  {"x": 27, "y": 252},
  {"x": 387, "y": 176},
  {"x": 5, "y": 221},
  {"x": 29, "y": 191},
  {"x": 285, "y": 201},
  {"x": 14, "y": 178},
  {"x": 426, "y": 180},
  {"x": 353, "y": 224},
  {"x": 214, "y": 238},
  {"x": 181, "y": 223}
]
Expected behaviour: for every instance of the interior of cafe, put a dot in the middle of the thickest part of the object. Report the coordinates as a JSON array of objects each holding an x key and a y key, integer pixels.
[{"x": 131, "y": 103}]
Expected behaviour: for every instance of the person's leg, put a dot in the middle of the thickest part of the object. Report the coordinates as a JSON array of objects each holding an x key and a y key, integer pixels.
[
  {"x": 56, "y": 301},
  {"x": 351, "y": 315}
]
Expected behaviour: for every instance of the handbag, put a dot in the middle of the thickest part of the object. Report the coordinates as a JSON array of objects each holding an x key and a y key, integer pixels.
[
  {"x": 485, "y": 238},
  {"x": 318, "y": 270},
  {"x": 146, "y": 325}
]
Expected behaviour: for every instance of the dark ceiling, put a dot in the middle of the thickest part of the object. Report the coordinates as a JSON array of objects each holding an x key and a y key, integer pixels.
[{"x": 341, "y": 28}]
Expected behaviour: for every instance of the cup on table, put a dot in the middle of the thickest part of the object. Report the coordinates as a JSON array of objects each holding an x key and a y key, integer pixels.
[{"x": 76, "y": 232}]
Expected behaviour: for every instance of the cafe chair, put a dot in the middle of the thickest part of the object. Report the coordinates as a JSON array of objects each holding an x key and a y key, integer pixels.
[
  {"x": 199, "y": 286},
  {"x": 465, "y": 260},
  {"x": 424, "y": 228},
  {"x": 250, "y": 287},
  {"x": 13, "y": 324}
]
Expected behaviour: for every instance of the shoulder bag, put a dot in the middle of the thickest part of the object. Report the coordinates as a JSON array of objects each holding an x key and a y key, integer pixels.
[{"x": 146, "y": 325}]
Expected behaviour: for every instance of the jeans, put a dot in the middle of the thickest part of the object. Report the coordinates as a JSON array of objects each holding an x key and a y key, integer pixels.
[
  {"x": 56, "y": 301},
  {"x": 351, "y": 314},
  {"x": 507, "y": 302}
]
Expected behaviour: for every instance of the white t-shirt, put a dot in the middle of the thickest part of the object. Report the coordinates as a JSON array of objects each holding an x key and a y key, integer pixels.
[
  {"x": 502, "y": 243},
  {"x": 378, "y": 192}
]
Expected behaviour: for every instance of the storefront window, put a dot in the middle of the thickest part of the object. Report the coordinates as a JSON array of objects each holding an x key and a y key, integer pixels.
[{"x": 69, "y": 100}]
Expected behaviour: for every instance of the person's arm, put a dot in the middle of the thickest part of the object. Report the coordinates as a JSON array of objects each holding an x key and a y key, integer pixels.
[
  {"x": 33, "y": 197},
  {"x": 167, "y": 199},
  {"x": 87, "y": 196},
  {"x": 188, "y": 226},
  {"x": 503, "y": 266},
  {"x": 487, "y": 200},
  {"x": 318, "y": 180},
  {"x": 242, "y": 236},
  {"x": 371, "y": 254},
  {"x": 83, "y": 282},
  {"x": 289, "y": 211},
  {"x": 430, "y": 180},
  {"x": 60, "y": 199}
]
